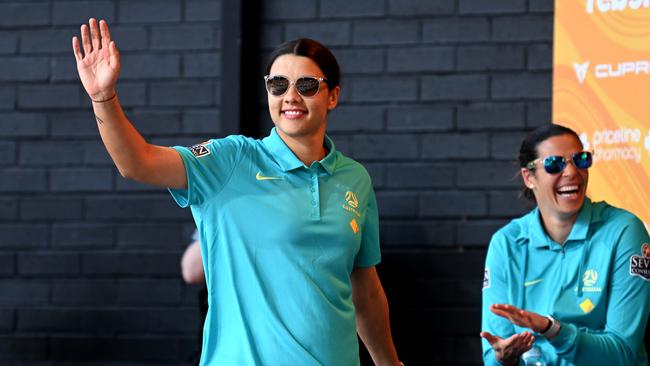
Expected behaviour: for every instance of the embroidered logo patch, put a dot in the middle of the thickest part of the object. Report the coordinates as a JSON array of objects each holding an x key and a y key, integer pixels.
[
  {"x": 587, "y": 306},
  {"x": 259, "y": 176},
  {"x": 351, "y": 203},
  {"x": 352, "y": 199},
  {"x": 486, "y": 278},
  {"x": 640, "y": 264},
  {"x": 200, "y": 150},
  {"x": 354, "y": 226},
  {"x": 590, "y": 277},
  {"x": 533, "y": 282}
]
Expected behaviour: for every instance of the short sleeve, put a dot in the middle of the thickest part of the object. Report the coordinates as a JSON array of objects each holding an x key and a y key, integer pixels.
[
  {"x": 369, "y": 254},
  {"x": 208, "y": 166}
]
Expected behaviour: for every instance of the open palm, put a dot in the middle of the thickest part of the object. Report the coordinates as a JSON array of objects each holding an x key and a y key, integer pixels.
[
  {"x": 99, "y": 64},
  {"x": 508, "y": 350}
]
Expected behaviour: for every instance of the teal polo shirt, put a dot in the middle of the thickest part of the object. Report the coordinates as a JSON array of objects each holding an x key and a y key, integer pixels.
[
  {"x": 597, "y": 285},
  {"x": 279, "y": 241}
]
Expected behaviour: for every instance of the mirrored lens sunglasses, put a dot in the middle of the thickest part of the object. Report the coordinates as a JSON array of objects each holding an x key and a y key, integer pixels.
[
  {"x": 555, "y": 164},
  {"x": 278, "y": 85}
]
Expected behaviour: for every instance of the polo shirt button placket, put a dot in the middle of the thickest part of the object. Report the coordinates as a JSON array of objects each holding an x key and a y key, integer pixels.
[{"x": 314, "y": 196}]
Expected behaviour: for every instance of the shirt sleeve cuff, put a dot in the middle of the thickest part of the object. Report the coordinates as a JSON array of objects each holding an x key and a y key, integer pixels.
[{"x": 565, "y": 340}]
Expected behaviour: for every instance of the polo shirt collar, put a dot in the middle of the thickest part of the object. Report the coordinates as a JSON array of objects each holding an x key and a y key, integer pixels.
[
  {"x": 537, "y": 234},
  {"x": 289, "y": 161},
  {"x": 539, "y": 238},
  {"x": 581, "y": 226},
  {"x": 329, "y": 161}
]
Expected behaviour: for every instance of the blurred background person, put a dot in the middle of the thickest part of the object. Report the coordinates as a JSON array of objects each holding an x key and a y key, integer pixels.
[
  {"x": 193, "y": 274},
  {"x": 570, "y": 278}
]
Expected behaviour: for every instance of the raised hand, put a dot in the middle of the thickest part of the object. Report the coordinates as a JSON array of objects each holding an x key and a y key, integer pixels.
[
  {"x": 508, "y": 351},
  {"x": 520, "y": 317},
  {"x": 99, "y": 64}
]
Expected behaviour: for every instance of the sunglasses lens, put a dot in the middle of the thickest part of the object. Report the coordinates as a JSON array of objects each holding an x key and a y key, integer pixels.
[
  {"x": 277, "y": 85},
  {"x": 554, "y": 164},
  {"x": 307, "y": 87},
  {"x": 582, "y": 160}
]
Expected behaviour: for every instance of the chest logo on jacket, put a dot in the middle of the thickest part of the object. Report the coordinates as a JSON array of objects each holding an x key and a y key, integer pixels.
[
  {"x": 351, "y": 203},
  {"x": 589, "y": 279},
  {"x": 640, "y": 264}
]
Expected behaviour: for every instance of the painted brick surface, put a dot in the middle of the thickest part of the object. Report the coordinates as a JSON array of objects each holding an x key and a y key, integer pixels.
[
  {"x": 16, "y": 14},
  {"x": 202, "y": 10},
  {"x": 417, "y": 7},
  {"x": 23, "y": 124},
  {"x": 436, "y": 95},
  {"x": 74, "y": 12}
]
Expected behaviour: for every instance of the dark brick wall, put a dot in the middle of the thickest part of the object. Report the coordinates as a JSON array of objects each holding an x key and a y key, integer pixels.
[{"x": 436, "y": 95}]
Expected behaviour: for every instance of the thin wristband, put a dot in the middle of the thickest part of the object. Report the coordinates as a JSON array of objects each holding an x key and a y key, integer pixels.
[{"x": 105, "y": 100}]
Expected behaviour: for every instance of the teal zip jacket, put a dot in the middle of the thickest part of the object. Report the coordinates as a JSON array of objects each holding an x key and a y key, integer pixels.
[{"x": 597, "y": 285}]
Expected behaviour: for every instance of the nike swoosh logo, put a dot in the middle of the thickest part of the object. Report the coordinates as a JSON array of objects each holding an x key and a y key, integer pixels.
[
  {"x": 534, "y": 282},
  {"x": 259, "y": 176}
]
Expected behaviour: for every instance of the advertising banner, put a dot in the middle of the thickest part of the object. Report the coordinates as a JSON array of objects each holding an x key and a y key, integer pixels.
[{"x": 601, "y": 89}]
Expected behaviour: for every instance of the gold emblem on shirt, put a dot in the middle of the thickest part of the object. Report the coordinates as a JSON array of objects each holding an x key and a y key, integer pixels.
[
  {"x": 352, "y": 200},
  {"x": 587, "y": 306},
  {"x": 354, "y": 226},
  {"x": 351, "y": 203}
]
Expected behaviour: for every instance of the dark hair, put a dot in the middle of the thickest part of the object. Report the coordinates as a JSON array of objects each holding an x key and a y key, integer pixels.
[
  {"x": 315, "y": 51},
  {"x": 528, "y": 150}
]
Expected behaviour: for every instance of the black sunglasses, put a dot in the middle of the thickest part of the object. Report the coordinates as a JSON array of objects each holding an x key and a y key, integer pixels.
[
  {"x": 278, "y": 85},
  {"x": 555, "y": 164}
]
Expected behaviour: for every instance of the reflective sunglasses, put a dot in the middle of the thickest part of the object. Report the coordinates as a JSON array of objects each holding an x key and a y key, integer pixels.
[
  {"x": 555, "y": 164},
  {"x": 278, "y": 85}
]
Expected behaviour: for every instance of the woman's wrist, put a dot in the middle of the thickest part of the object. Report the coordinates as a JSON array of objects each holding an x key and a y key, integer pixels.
[
  {"x": 549, "y": 323},
  {"x": 103, "y": 100},
  {"x": 552, "y": 330},
  {"x": 103, "y": 97}
]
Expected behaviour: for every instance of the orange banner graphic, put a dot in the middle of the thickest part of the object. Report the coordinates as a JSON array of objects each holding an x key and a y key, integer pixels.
[{"x": 601, "y": 89}]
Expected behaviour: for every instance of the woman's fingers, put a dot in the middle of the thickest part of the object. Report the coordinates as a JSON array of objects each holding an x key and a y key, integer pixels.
[
  {"x": 95, "y": 34},
  {"x": 85, "y": 39},
  {"x": 76, "y": 49},
  {"x": 114, "y": 55},
  {"x": 106, "y": 35},
  {"x": 489, "y": 337}
]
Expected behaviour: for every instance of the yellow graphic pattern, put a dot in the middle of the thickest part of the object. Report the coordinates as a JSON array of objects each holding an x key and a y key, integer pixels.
[
  {"x": 607, "y": 104},
  {"x": 354, "y": 226},
  {"x": 352, "y": 199},
  {"x": 587, "y": 306}
]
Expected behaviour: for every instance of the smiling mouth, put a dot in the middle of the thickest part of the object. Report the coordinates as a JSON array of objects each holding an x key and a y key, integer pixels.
[
  {"x": 293, "y": 113},
  {"x": 568, "y": 191}
]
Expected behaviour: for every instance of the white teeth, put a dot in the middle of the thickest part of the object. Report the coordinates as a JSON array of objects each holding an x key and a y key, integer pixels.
[
  {"x": 293, "y": 113},
  {"x": 568, "y": 189}
]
